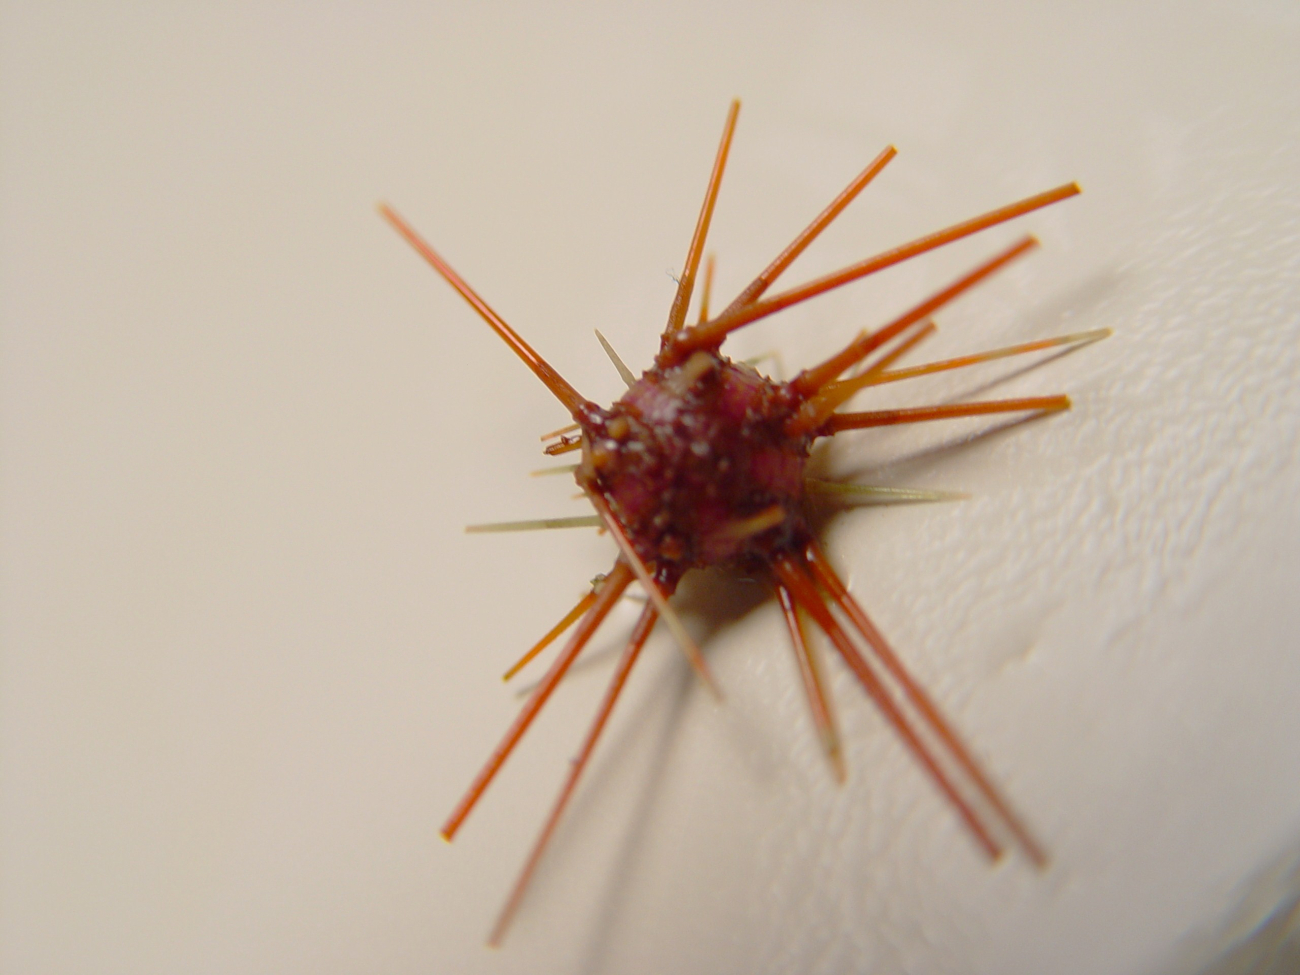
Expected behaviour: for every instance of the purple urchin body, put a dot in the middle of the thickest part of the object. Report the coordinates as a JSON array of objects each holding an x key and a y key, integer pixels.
[{"x": 695, "y": 464}]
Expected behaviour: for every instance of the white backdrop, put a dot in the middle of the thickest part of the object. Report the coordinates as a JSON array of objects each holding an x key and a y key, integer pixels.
[{"x": 249, "y": 659}]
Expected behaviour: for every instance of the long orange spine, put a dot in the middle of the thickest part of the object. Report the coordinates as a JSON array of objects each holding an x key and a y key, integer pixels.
[
  {"x": 840, "y": 422},
  {"x": 630, "y": 653},
  {"x": 711, "y": 334},
  {"x": 819, "y": 701},
  {"x": 610, "y": 590},
  {"x": 686, "y": 284},
  {"x": 811, "y": 380},
  {"x": 756, "y": 288},
  {"x": 793, "y": 574},
  {"x": 828, "y": 579},
  {"x": 573, "y": 401}
]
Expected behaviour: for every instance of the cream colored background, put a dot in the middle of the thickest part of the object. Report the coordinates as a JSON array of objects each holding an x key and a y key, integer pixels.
[{"x": 250, "y": 660}]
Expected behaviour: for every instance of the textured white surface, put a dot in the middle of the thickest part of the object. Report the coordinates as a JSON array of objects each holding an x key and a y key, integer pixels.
[{"x": 249, "y": 660}]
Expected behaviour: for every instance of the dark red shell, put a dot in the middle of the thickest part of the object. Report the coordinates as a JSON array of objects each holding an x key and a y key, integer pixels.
[{"x": 697, "y": 467}]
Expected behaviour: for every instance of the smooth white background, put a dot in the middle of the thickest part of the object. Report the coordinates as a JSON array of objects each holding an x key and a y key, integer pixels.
[{"x": 249, "y": 660}]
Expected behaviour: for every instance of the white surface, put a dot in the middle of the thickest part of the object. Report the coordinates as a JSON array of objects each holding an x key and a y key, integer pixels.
[{"x": 250, "y": 661}]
